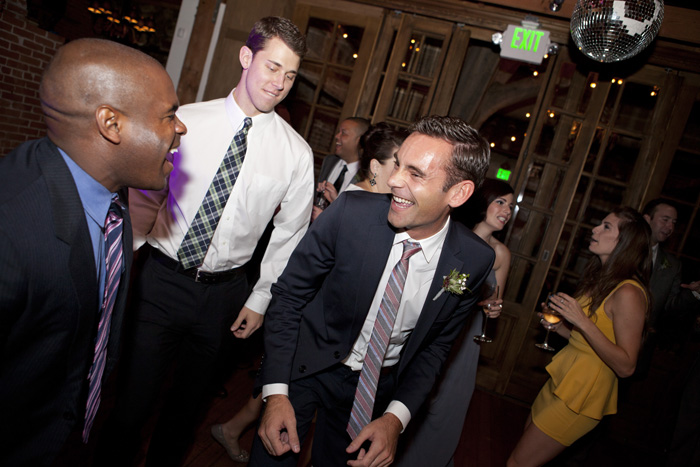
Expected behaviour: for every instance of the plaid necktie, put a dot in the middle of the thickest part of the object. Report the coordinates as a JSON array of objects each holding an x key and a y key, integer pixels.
[
  {"x": 114, "y": 259},
  {"x": 194, "y": 246},
  {"x": 363, "y": 404}
]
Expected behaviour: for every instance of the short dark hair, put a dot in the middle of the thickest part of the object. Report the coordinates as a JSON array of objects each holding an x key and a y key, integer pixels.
[
  {"x": 470, "y": 151},
  {"x": 276, "y": 26},
  {"x": 378, "y": 143},
  {"x": 653, "y": 205}
]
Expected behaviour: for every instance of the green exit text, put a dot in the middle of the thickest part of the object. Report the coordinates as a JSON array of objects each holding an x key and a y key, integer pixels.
[{"x": 526, "y": 39}]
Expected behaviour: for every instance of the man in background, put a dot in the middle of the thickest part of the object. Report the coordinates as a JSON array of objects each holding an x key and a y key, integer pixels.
[
  {"x": 338, "y": 169},
  {"x": 240, "y": 166},
  {"x": 65, "y": 241}
]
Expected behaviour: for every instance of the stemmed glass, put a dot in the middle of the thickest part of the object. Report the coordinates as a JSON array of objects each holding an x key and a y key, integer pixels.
[
  {"x": 492, "y": 293},
  {"x": 551, "y": 317}
]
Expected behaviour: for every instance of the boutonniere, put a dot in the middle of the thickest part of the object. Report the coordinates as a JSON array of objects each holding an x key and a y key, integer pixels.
[
  {"x": 455, "y": 283},
  {"x": 666, "y": 264}
]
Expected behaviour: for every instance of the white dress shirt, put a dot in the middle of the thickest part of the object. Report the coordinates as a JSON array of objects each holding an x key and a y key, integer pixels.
[
  {"x": 353, "y": 167},
  {"x": 421, "y": 271},
  {"x": 277, "y": 172}
]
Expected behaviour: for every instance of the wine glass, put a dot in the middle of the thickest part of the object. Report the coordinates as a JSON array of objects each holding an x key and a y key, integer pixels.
[
  {"x": 551, "y": 317},
  {"x": 492, "y": 293},
  {"x": 321, "y": 200}
]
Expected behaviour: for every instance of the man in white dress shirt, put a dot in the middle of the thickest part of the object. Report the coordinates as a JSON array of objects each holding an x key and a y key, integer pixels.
[
  {"x": 338, "y": 170},
  {"x": 183, "y": 313}
]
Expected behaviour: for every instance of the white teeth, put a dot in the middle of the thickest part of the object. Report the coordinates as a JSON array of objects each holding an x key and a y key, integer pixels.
[{"x": 402, "y": 201}]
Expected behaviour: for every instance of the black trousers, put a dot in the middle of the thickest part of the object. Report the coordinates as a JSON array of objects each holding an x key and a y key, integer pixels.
[
  {"x": 176, "y": 322},
  {"x": 328, "y": 394}
]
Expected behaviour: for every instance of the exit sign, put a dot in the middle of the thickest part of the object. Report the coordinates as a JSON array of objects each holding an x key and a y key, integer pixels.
[
  {"x": 503, "y": 174},
  {"x": 525, "y": 43}
]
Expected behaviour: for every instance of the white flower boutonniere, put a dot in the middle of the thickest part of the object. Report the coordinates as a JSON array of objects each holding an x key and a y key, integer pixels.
[
  {"x": 455, "y": 283},
  {"x": 666, "y": 264}
]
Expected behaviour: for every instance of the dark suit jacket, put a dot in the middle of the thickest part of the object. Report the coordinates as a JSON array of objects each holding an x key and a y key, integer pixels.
[
  {"x": 320, "y": 302},
  {"x": 665, "y": 286},
  {"x": 327, "y": 165},
  {"x": 48, "y": 304}
]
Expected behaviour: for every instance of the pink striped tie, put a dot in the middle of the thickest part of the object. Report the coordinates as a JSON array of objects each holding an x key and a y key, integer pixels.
[
  {"x": 113, "y": 258},
  {"x": 363, "y": 404}
]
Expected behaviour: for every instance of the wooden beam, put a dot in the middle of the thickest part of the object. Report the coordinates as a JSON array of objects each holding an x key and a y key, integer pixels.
[
  {"x": 197, "y": 49},
  {"x": 680, "y": 24}
]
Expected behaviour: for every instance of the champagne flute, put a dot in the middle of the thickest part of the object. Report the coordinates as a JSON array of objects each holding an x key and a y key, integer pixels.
[
  {"x": 551, "y": 317},
  {"x": 493, "y": 294}
]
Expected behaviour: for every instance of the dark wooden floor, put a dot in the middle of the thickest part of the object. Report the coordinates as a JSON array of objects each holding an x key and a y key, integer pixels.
[{"x": 637, "y": 436}]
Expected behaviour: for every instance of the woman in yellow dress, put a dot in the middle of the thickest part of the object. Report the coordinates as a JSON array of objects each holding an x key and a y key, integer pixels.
[{"x": 605, "y": 324}]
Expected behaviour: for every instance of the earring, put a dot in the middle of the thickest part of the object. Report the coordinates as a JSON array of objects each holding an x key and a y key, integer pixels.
[{"x": 372, "y": 180}]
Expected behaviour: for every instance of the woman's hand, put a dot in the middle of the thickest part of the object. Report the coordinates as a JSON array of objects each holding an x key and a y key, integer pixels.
[
  {"x": 494, "y": 306},
  {"x": 568, "y": 308}
]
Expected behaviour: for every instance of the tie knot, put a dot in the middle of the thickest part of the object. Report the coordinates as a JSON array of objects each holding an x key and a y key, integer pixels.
[
  {"x": 247, "y": 123},
  {"x": 115, "y": 209},
  {"x": 409, "y": 249}
]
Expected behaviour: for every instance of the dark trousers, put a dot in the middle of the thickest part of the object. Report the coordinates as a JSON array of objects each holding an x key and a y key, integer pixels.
[
  {"x": 177, "y": 322},
  {"x": 328, "y": 394}
]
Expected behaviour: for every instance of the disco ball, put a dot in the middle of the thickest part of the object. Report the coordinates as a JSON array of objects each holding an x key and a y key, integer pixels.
[{"x": 614, "y": 30}]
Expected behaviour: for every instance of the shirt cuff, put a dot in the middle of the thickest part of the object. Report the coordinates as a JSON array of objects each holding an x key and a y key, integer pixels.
[
  {"x": 274, "y": 389},
  {"x": 401, "y": 412},
  {"x": 257, "y": 303},
  {"x": 696, "y": 294}
]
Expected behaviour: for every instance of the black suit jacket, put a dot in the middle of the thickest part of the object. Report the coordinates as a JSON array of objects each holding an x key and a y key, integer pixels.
[
  {"x": 327, "y": 165},
  {"x": 48, "y": 304},
  {"x": 320, "y": 302}
]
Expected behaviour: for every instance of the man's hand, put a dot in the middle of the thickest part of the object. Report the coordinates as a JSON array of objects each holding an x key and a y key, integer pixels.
[
  {"x": 383, "y": 434},
  {"x": 247, "y": 323},
  {"x": 315, "y": 211},
  {"x": 278, "y": 426},
  {"x": 693, "y": 286}
]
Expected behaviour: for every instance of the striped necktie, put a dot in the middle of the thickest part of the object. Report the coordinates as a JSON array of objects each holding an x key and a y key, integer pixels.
[
  {"x": 114, "y": 259},
  {"x": 363, "y": 404},
  {"x": 194, "y": 246}
]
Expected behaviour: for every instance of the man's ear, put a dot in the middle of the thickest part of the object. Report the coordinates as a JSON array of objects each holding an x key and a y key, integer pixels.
[
  {"x": 647, "y": 218},
  {"x": 461, "y": 192},
  {"x": 245, "y": 56},
  {"x": 109, "y": 123}
]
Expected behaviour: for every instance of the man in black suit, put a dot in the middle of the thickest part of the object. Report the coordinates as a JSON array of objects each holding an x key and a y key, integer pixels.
[
  {"x": 110, "y": 115},
  {"x": 667, "y": 292},
  {"x": 339, "y": 169},
  {"x": 326, "y": 303}
]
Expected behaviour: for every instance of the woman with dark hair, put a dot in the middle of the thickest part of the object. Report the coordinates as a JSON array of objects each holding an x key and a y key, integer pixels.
[
  {"x": 377, "y": 149},
  {"x": 433, "y": 435},
  {"x": 378, "y": 145},
  {"x": 605, "y": 326}
]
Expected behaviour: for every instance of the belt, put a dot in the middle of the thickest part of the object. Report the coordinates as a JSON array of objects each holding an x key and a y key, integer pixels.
[{"x": 194, "y": 273}]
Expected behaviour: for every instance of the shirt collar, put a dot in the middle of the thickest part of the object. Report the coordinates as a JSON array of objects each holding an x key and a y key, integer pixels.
[
  {"x": 430, "y": 245},
  {"x": 236, "y": 115},
  {"x": 93, "y": 195}
]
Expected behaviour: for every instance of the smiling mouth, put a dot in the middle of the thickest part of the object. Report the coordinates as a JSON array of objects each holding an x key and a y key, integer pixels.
[{"x": 402, "y": 202}]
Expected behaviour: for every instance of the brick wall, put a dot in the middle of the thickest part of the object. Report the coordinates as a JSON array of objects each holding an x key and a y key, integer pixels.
[{"x": 25, "y": 50}]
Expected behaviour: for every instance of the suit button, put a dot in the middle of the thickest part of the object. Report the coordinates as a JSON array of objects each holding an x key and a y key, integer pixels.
[
  {"x": 302, "y": 369},
  {"x": 336, "y": 355},
  {"x": 68, "y": 416}
]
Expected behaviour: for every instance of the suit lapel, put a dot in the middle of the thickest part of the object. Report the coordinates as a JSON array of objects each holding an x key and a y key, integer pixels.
[
  {"x": 376, "y": 252},
  {"x": 69, "y": 223},
  {"x": 450, "y": 258}
]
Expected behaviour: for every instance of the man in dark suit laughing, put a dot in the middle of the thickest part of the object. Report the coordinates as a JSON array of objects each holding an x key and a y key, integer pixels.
[
  {"x": 65, "y": 239},
  {"x": 371, "y": 300}
]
